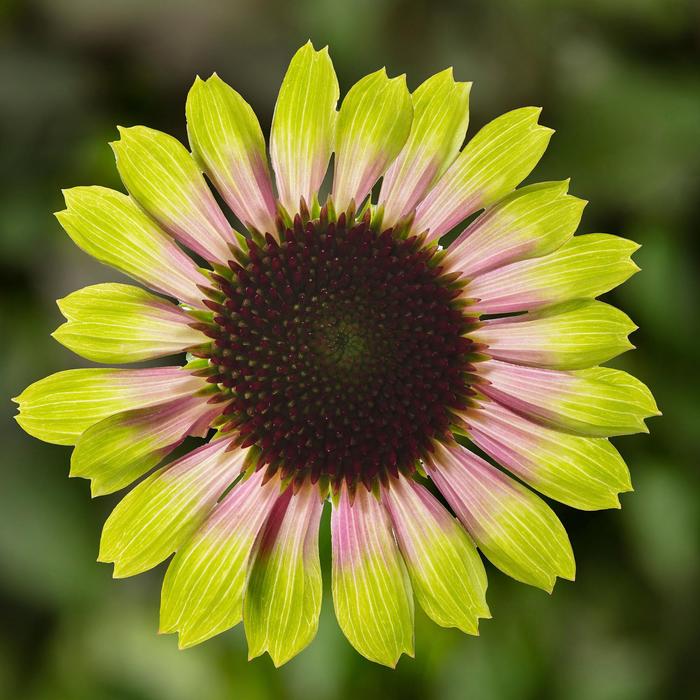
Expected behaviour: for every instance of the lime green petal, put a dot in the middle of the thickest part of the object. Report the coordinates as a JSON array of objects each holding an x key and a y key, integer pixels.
[
  {"x": 573, "y": 335},
  {"x": 303, "y": 124},
  {"x": 492, "y": 164},
  {"x": 205, "y": 582},
  {"x": 61, "y": 406},
  {"x": 164, "y": 179},
  {"x": 597, "y": 402},
  {"x": 440, "y": 118},
  {"x": 283, "y": 594},
  {"x": 112, "y": 228},
  {"x": 628, "y": 389},
  {"x": 530, "y": 222},
  {"x": 123, "y": 447},
  {"x": 120, "y": 323},
  {"x": 583, "y": 472},
  {"x": 512, "y": 526},
  {"x": 447, "y": 574},
  {"x": 371, "y": 587},
  {"x": 373, "y": 125},
  {"x": 156, "y": 517},
  {"x": 584, "y": 267},
  {"x": 226, "y": 138}
]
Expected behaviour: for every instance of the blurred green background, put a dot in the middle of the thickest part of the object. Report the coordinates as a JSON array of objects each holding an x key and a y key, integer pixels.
[{"x": 619, "y": 81}]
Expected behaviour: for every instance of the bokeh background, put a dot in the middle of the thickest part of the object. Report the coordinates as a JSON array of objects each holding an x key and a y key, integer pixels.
[{"x": 619, "y": 81}]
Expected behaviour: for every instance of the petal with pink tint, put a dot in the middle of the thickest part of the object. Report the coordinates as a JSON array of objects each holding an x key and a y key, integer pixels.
[
  {"x": 122, "y": 447},
  {"x": 225, "y": 136},
  {"x": 60, "y": 407},
  {"x": 283, "y": 594},
  {"x": 513, "y": 527},
  {"x": 584, "y": 267},
  {"x": 596, "y": 402},
  {"x": 573, "y": 335},
  {"x": 492, "y": 164},
  {"x": 121, "y": 323},
  {"x": 303, "y": 126},
  {"x": 371, "y": 587},
  {"x": 164, "y": 179},
  {"x": 373, "y": 124},
  {"x": 204, "y": 586},
  {"x": 440, "y": 118},
  {"x": 158, "y": 516},
  {"x": 583, "y": 472},
  {"x": 447, "y": 575},
  {"x": 112, "y": 228},
  {"x": 532, "y": 221}
]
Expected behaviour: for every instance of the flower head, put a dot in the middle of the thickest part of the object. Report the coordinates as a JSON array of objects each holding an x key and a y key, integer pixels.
[{"x": 336, "y": 351}]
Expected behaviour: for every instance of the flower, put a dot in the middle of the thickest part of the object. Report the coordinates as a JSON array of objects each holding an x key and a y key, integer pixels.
[{"x": 337, "y": 351}]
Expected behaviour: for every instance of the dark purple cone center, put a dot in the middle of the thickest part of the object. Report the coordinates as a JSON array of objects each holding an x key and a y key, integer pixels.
[{"x": 343, "y": 350}]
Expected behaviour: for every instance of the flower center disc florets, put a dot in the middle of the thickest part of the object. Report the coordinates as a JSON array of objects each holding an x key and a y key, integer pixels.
[{"x": 343, "y": 349}]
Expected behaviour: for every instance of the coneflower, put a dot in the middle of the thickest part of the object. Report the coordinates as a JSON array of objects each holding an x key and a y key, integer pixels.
[{"x": 335, "y": 351}]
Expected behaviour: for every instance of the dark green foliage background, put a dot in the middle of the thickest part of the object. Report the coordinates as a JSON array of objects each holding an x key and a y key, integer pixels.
[{"x": 619, "y": 81}]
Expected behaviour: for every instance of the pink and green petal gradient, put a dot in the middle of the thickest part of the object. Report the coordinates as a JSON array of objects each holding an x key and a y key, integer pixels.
[
  {"x": 584, "y": 267},
  {"x": 373, "y": 124},
  {"x": 283, "y": 593},
  {"x": 122, "y": 447},
  {"x": 513, "y": 527},
  {"x": 60, "y": 407},
  {"x": 440, "y": 118},
  {"x": 371, "y": 588},
  {"x": 532, "y": 221},
  {"x": 598, "y": 402},
  {"x": 205, "y": 583},
  {"x": 158, "y": 516},
  {"x": 112, "y": 228},
  {"x": 226, "y": 139},
  {"x": 446, "y": 572},
  {"x": 583, "y": 472},
  {"x": 119, "y": 323},
  {"x": 492, "y": 164},
  {"x": 303, "y": 126},
  {"x": 573, "y": 335},
  {"x": 164, "y": 179}
]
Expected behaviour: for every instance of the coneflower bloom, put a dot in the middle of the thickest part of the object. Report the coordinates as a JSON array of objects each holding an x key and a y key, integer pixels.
[{"x": 336, "y": 351}]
